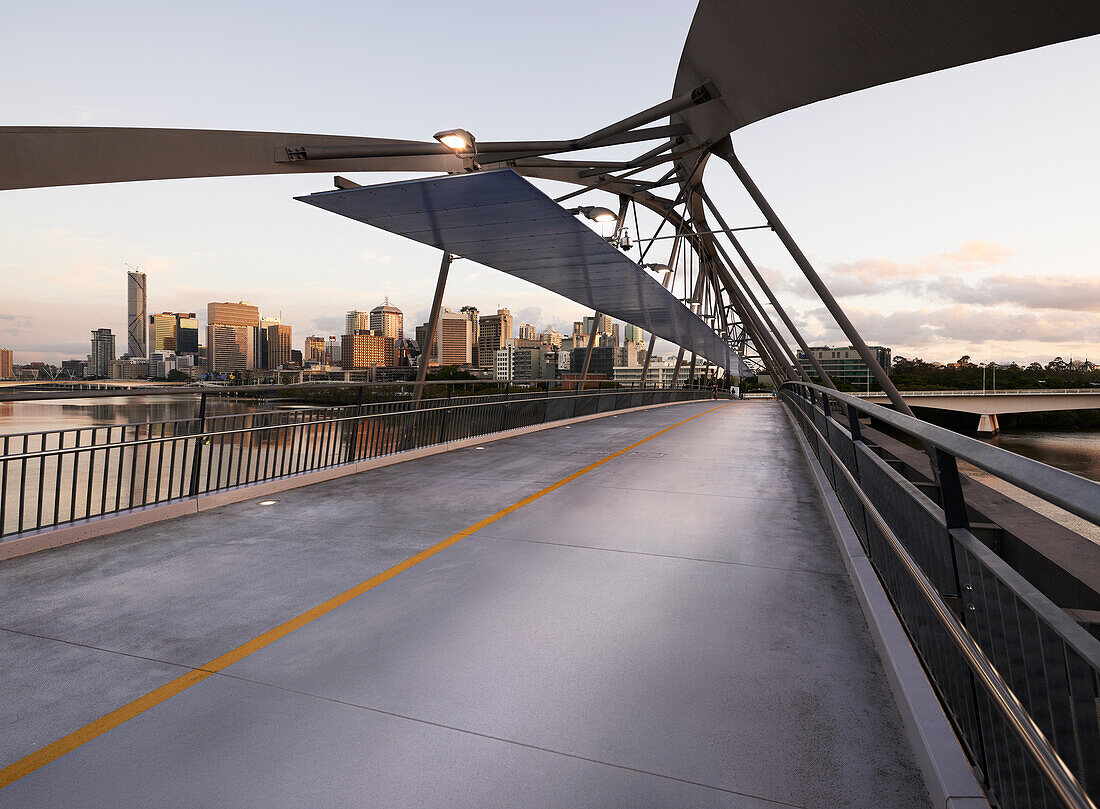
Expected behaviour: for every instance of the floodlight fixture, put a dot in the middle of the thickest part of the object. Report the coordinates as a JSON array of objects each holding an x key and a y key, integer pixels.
[
  {"x": 459, "y": 140},
  {"x": 657, "y": 268},
  {"x": 596, "y": 214}
]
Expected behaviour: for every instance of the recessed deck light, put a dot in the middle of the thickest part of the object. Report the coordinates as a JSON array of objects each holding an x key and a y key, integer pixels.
[{"x": 268, "y": 502}]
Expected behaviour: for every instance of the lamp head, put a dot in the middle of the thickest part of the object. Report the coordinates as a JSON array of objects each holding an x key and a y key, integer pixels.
[
  {"x": 457, "y": 139},
  {"x": 596, "y": 214}
]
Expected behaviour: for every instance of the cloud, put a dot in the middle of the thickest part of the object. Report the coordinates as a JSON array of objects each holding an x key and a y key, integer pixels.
[
  {"x": 879, "y": 275},
  {"x": 529, "y": 314},
  {"x": 927, "y": 329},
  {"x": 371, "y": 257},
  {"x": 1066, "y": 292},
  {"x": 327, "y": 324}
]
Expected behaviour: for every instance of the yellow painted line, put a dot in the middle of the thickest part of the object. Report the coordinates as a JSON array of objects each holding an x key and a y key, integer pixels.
[{"x": 66, "y": 744}]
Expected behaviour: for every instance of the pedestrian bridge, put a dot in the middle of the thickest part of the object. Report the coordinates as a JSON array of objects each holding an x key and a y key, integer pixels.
[
  {"x": 663, "y": 605},
  {"x": 644, "y": 610},
  {"x": 990, "y": 404}
]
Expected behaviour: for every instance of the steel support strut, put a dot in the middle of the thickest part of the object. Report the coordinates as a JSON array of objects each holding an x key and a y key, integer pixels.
[
  {"x": 433, "y": 318},
  {"x": 779, "y": 310},
  {"x": 724, "y": 150}
]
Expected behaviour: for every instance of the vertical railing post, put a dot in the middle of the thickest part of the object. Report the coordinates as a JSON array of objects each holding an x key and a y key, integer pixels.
[
  {"x": 196, "y": 457},
  {"x": 951, "y": 493},
  {"x": 353, "y": 438}
]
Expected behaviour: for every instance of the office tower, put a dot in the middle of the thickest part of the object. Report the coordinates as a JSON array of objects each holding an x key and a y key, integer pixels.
[
  {"x": 551, "y": 337},
  {"x": 6, "y": 370},
  {"x": 187, "y": 333},
  {"x": 366, "y": 349},
  {"x": 162, "y": 332},
  {"x": 103, "y": 352},
  {"x": 471, "y": 313},
  {"x": 514, "y": 362},
  {"x": 453, "y": 343},
  {"x": 278, "y": 346},
  {"x": 314, "y": 350},
  {"x": 494, "y": 332},
  {"x": 356, "y": 320},
  {"x": 261, "y": 341},
  {"x": 602, "y": 364},
  {"x": 527, "y": 331},
  {"x": 387, "y": 320},
  {"x": 233, "y": 314},
  {"x": 137, "y": 344},
  {"x": 614, "y": 335},
  {"x": 231, "y": 336},
  {"x": 632, "y": 334}
]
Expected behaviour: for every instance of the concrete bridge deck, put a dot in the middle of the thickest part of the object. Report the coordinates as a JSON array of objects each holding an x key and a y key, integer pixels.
[{"x": 673, "y": 627}]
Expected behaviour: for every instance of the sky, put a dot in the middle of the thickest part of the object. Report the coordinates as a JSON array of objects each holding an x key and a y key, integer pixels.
[{"x": 951, "y": 214}]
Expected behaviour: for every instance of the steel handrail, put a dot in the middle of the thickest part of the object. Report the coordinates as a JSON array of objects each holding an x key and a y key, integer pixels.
[
  {"x": 1061, "y": 779},
  {"x": 207, "y": 434},
  {"x": 1075, "y": 494},
  {"x": 1002, "y": 392}
]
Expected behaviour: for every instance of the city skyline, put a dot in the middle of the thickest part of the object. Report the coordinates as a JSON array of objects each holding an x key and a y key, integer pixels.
[{"x": 971, "y": 250}]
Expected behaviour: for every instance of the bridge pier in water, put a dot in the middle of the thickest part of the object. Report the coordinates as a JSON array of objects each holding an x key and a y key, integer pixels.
[{"x": 988, "y": 425}]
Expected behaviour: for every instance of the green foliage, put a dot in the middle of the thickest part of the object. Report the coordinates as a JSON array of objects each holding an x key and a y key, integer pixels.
[{"x": 917, "y": 374}]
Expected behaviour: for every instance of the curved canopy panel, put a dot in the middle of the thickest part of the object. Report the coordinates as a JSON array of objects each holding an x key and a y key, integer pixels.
[
  {"x": 768, "y": 56},
  {"x": 498, "y": 219}
]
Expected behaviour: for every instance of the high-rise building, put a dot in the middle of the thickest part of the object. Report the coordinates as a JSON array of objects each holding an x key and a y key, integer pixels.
[
  {"x": 494, "y": 332},
  {"x": 356, "y": 320},
  {"x": 387, "y": 320},
  {"x": 136, "y": 300},
  {"x": 233, "y": 314},
  {"x": 527, "y": 331},
  {"x": 602, "y": 363},
  {"x": 103, "y": 353},
  {"x": 261, "y": 341},
  {"x": 231, "y": 337},
  {"x": 453, "y": 342},
  {"x": 314, "y": 349},
  {"x": 512, "y": 362},
  {"x": 633, "y": 334},
  {"x": 230, "y": 348},
  {"x": 366, "y": 349},
  {"x": 6, "y": 370},
  {"x": 278, "y": 346},
  {"x": 551, "y": 337},
  {"x": 187, "y": 333},
  {"x": 471, "y": 313},
  {"x": 162, "y": 332}
]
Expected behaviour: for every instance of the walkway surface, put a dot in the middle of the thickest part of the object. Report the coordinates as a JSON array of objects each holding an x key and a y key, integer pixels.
[{"x": 673, "y": 628}]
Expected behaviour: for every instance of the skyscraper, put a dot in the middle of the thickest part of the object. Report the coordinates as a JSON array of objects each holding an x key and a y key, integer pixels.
[
  {"x": 356, "y": 320},
  {"x": 137, "y": 345},
  {"x": 387, "y": 320},
  {"x": 453, "y": 342},
  {"x": 366, "y": 349},
  {"x": 6, "y": 371},
  {"x": 494, "y": 331},
  {"x": 231, "y": 334},
  {"x": 103, "y": 352},
  {"x": 471, "y": 314},
  {"x": 278, "y": 345},
  {"x": 162, "y": 332},
  {"x": 187, "y": 333},
  {"x": 633, "y": 334},
  {"x": 314, "y": 349},
  {"x": 527, "y": 331}
]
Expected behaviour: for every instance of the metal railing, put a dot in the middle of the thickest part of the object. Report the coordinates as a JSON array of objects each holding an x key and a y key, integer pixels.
[
  {"x": 61, "y": 476},
  {"x": 1018, "y": 678},
  {"x": 991, "y": 392}
]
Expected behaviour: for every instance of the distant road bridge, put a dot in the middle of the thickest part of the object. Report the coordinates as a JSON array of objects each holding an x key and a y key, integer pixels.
[{"x": 990, "y": 404}]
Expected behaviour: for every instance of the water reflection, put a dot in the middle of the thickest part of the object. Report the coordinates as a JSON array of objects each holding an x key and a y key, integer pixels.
[
  {"x": 1077, "y": 452},
  {"x": 63, "y": 414}
]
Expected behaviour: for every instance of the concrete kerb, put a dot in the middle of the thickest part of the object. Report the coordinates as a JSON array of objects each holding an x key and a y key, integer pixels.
[
  {"x": 33, "y": 542},
  {"x": 947, "y": 772}
]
